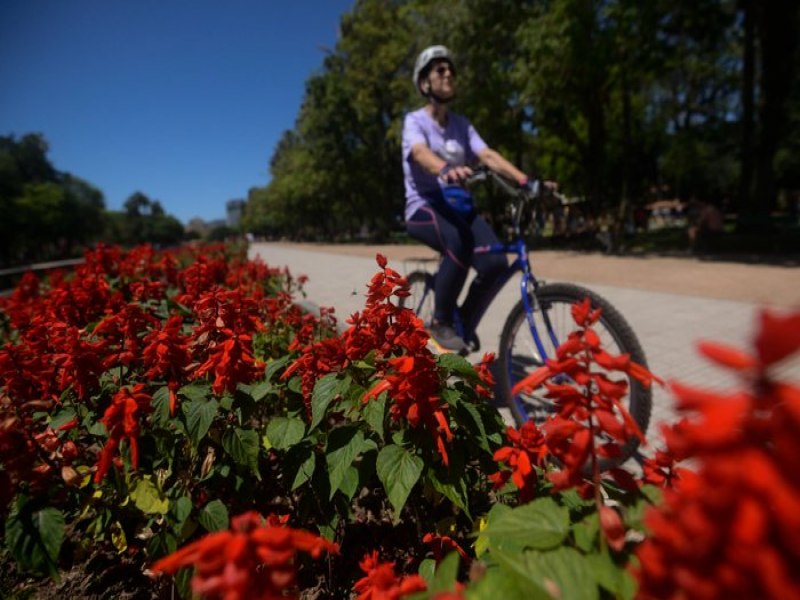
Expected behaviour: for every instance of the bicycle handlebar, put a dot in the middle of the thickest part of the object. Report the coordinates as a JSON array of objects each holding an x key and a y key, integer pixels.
[
  {"x": 482, "y": 173},
  {"x": 543, "y": 196}
]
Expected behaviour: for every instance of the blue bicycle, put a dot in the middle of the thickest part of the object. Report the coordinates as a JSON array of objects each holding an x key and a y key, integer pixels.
[{"x": 538, "y": 323}]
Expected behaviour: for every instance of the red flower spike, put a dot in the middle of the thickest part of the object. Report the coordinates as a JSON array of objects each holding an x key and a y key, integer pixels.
[
  {"x": 441, "y": 545},
  {"x": 121, "y": 419},
  {"x": 778, "y": 337},
  {"x": 724, "y": 355},
  {"x": 251, "y": 560},
  {"x": 613, "y": 528},
  {"x": 738, "y": 512},
  {"x": 380, "y": 581},
  {"x": 528, "y": 449}
]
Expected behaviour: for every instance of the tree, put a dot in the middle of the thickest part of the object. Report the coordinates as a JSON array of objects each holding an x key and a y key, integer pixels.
[{"x": 46, "y": 213}]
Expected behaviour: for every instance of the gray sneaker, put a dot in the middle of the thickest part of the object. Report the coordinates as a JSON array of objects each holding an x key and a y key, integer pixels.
[{"x": 445, "y": 336}]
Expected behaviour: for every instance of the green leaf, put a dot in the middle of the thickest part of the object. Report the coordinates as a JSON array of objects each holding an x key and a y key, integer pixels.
[
  {"x": 398, "y": 471},
  {"x": 300, "y": 464},
  {"x": 612, "y": 577},
  {"x": 451, "y": 396},
  {"x": 564, "y": 571},
  {"x": 118, "y": 538},
  {"x": 446, "y": 575},
  {"x": 471, "y": 417},
  {"x": 344, "y": 444},
  {"x": 276, "y": 365},
  {"x": 242, "y": 445},
  {"x": 427, "y": 568},
  {"x": 349, "y": 483},
  {"x": 328, "y": 530},
  {"x": 261, "y": 390},
  {"x": 160, "y": 406},
  {"x": 285, "y": 432},
  {"x": 214, "y": 516},
  {"x": 498, "y": 583},
  {"x": 326, "y": 391},
  {"x": 63, "y": 416},
  {"x": 295, "y": 385},
  {"x": 374, "y": 412},
  {"x": 196, "y": 391},
  {"x": 199, "y": 416},
  {"x": 180, "y": 509},
  {"x": 652, "y": 493},
  {"x": 456, "y": 491},
  {"x": 458, "y": 365},
  {"x": 541, "y": 524},
  {"x": 161, "y": 544},
  {"x": 34, "y": 537},
  {"x": 148, "y": 498},
  {"x": 586, "y": 531}
]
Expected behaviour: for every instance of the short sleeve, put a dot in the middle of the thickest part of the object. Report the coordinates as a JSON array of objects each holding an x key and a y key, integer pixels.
[
  {"x": 476, "y": 143},
  {"x": 412, "y": 134}
]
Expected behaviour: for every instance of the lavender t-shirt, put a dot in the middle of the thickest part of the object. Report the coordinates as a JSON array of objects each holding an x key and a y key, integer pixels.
[{"x": 457, "y": 142}]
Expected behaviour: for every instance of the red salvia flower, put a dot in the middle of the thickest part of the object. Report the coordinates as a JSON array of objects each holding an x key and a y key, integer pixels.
[
  {"x": 441, "y": 545},
  {"x": 484, "y": 369},
  {"x": 398, "y": 341},
  {"x": 78, "y": 361},
  {"x": 661, "y": 470},
  {"x": 166, "y": 356},
  {"x": 252, "y": 560},
  {"x": 122, "y": 332},
  {"x": 589, "y": 402},
  {"x": 732, "y": 528},
  {"x": 380, "y": 581},
  {"x": 231, "y": 361},
  {"x": 121, "y": 419},
  {"x": 528, "y": 449}
]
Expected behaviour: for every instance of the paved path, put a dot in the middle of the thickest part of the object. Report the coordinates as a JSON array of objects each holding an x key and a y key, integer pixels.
[{"x": 670, "y": 302}]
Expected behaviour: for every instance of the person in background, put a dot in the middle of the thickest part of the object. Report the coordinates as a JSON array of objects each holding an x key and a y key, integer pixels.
[{"x": 438, "y": 147}]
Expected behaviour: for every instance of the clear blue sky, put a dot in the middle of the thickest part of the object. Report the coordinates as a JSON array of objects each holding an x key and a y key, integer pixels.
[{"x": 183, "y": 100}]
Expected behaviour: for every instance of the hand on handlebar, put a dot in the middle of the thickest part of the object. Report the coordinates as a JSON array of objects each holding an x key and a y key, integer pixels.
[
  {"x": 455, "y": 174},
  {"x": 541, "y": 189}
]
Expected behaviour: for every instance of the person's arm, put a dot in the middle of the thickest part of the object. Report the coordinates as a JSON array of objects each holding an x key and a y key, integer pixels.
[
  {"x": 496, "y": 162},
  {"x": 436, "y": 165}
]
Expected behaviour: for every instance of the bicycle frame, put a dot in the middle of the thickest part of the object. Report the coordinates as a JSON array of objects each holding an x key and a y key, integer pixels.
[
  {"x": 528, "y": 281},
  {"x": 520, "y": 264}
]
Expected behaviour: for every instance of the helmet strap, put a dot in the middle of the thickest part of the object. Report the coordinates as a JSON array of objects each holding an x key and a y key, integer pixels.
[
  {"x": 438, "y": 99},
  {"x": 435, "y": 98}
]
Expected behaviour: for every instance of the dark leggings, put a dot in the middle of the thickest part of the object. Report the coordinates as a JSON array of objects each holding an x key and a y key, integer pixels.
[{"x": 455, "y": 237}]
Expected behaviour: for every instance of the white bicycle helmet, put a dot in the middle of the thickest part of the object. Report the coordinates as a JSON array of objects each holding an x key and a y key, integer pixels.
[{"x": 426, "y": 57}]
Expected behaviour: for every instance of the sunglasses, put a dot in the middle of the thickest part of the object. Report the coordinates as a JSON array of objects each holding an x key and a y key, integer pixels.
[{"x": 442, "y": 69}]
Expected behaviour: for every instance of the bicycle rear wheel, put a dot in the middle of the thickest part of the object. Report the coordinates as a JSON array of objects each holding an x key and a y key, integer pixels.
[
  {"x": 421, "y": 299},
  {"x": 519, "y": 356}
]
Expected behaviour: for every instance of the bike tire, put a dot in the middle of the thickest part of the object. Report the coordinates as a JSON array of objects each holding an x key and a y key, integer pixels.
[
  {"x": 421, "y": 298},
  {"x": 518, "y": 356}
]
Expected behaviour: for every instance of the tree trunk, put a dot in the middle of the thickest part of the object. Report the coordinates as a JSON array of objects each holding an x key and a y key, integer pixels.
[
  {"x": 778, "y": 40},
  {"x": 748, "y": 114}
]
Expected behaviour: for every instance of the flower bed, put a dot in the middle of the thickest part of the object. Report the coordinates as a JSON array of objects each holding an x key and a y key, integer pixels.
[{"x": 175, "y": 420}]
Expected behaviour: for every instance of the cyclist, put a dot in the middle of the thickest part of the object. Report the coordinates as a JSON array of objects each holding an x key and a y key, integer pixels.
[{"x": 438, "y": 147}]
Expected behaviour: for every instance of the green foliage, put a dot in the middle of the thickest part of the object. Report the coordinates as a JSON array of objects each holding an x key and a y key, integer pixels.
[
  {"x": 34, "y": 536},
  {"x": 49, "y": 214},
  {"x": 621, "y": 102},
  {"x": 331, "y": 453}
]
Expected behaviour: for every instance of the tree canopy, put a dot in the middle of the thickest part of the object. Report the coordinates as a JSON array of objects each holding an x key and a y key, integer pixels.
[
  {"x": 49, "y": 214},
  {"x": 620, "y": 101}
]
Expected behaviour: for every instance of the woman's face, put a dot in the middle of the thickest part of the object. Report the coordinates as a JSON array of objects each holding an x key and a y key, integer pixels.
[{"x": 442, "y": 79}]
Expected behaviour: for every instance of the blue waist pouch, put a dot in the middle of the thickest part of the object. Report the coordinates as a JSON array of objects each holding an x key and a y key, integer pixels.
[{"x": 459, "y": 199}]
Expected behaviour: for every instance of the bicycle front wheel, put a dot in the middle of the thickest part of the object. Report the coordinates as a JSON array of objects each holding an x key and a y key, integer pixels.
[
  {"x": 421, "y": 299},
  {"x": 552, "y": 315}
]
